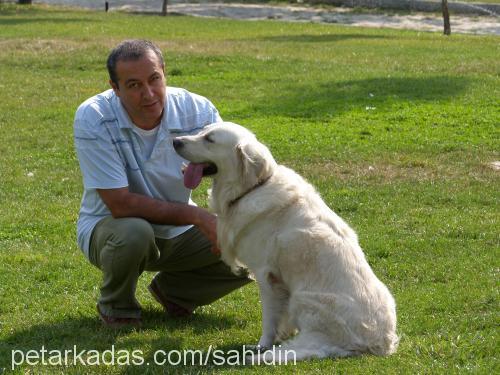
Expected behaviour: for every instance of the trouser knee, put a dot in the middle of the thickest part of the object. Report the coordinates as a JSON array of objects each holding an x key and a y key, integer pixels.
[
  {"x": 127, "y": 241},
  {"x": 136, "y": 237}
]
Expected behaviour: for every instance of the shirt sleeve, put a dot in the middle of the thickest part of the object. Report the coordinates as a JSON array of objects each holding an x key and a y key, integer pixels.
[
  {"x": 100, "y": 162},
  {"x": 216, "y": 115}
]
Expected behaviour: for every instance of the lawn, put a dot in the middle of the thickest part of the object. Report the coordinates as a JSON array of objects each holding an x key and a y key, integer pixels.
[{"x": 396, "y": 129}]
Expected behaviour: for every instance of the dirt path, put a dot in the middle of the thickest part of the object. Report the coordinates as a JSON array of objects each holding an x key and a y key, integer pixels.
[{"x": 415, "y": 21}]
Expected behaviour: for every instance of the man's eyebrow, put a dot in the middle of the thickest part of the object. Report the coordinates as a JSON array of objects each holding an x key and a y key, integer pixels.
[
  {"x": 138, "y": 80},
  {"x": 131, "y": 80}
]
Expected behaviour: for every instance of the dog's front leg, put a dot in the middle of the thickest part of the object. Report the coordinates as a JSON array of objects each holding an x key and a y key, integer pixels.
[{"x": 274, "y": 299}]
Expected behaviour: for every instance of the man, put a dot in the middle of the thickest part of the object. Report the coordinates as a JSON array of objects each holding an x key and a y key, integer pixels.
[{"x": 135, "y": 213}]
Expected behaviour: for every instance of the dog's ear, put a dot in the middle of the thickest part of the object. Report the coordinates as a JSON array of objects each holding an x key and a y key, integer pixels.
[{"x": 256, "y": 162}]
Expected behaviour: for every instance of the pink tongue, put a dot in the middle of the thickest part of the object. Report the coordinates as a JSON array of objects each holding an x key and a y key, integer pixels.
[{"x": 193, "y": 175}]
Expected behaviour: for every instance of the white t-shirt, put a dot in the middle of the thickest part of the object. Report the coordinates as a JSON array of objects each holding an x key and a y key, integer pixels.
[{"x": 148, "y": 139}]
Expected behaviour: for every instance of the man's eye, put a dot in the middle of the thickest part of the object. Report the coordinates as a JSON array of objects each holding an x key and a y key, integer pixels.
[
  {"x": 208, "y": 138},
  {"x": 133, "y": 85}
]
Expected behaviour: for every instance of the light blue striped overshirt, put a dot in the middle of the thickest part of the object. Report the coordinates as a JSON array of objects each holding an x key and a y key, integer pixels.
[{"x": 110, "y": 154}]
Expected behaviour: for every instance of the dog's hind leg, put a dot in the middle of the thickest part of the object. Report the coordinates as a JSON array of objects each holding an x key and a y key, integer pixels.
[{"x": 286, "y": 328}]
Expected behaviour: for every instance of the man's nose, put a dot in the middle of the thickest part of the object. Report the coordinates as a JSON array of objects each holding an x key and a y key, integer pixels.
[{"x": 148, "y": 91}]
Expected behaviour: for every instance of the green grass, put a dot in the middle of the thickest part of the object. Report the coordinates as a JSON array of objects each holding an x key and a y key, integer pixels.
[{"x": 396, "y": 129}]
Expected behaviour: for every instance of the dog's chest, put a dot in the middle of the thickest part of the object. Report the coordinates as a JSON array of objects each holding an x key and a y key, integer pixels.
[{"x": 252, "y": 242}]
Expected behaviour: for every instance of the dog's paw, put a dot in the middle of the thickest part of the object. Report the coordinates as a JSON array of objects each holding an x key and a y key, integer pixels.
[{"x": 266, "y": 341}]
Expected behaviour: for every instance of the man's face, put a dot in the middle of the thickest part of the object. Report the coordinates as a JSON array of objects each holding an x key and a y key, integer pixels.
[{"x": 141, "y": 89}]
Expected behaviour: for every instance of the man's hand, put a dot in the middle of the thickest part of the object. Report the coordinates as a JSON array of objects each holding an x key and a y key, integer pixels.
[
  {"x": 123, "y": 203},
  {"x": 207, "y": 224}
]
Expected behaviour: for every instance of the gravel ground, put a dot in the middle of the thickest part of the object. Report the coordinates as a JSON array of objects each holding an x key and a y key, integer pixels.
[{"x": 414, "y": 21}]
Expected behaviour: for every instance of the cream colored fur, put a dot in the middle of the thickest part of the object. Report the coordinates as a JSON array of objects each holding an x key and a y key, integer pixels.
[{"x": 312, "y": 274}]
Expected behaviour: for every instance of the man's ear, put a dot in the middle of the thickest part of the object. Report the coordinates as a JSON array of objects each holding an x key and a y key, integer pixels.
[
  {"x": 115, "y": 88},
  {"x": 164, "y": 75}
]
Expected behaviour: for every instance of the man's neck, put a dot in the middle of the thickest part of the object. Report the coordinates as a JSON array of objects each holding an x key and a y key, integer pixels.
[{"x": 147, "y": 126}]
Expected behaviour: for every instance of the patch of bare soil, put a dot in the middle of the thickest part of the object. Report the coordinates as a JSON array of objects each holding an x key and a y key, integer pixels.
[
  {"x": 300, "y": 13},
  {"x": 414, "y": 21}
]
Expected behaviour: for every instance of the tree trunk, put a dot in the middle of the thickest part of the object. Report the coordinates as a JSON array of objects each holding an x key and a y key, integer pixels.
[
  {"x": 164, "y": 8},
  {"x": 446, "y": 17}
]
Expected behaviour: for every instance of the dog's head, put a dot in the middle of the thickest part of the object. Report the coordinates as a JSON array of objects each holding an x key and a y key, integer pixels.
[{"x": 227, "y": 152}]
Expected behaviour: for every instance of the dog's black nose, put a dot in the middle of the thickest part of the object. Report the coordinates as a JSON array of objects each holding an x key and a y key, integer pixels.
[{"x": 177, "y": 143}]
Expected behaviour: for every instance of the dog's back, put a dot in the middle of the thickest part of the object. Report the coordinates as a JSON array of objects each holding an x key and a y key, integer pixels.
[{"x": 333, "y": 290}]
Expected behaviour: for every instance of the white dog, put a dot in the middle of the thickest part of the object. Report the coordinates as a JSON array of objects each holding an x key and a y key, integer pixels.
[{"x": 312, "y": 274}]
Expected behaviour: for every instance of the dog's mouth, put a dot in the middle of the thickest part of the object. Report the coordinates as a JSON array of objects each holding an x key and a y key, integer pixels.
[{"x": 194, "y": 172}]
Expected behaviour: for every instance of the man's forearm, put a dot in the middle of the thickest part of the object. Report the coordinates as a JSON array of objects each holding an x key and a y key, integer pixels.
[
  {"x": 123, "y": 203},
  {"x": 126, "y": 204}
]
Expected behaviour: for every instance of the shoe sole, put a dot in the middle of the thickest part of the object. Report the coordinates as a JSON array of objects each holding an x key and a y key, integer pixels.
[{"x": 107, "y": 324}]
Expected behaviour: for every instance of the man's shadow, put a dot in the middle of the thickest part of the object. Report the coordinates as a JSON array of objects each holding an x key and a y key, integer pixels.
[{"x": 77, "y": 334}]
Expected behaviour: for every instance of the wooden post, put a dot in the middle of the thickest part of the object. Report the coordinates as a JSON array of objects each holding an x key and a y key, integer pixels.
[
  {"x": 27, "y": 2},
  {"x": 164, "y": 8},
  {"x": 106, "y": 6},
  {"x": 446, "y": 17}
]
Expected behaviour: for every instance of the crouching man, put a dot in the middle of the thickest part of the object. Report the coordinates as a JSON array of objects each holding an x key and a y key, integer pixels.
[{"x": 136, "y": 215}]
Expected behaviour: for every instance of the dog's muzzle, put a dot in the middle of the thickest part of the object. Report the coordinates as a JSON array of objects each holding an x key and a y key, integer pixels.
[{"x": 178, "y": 144}]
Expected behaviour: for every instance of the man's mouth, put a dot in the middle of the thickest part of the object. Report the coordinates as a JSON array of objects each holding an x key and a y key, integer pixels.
[
  {"x": 150, "y": 105},
  {"x": 194, "y": 172}
]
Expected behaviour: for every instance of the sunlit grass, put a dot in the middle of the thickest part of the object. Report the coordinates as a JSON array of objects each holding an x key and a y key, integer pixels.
[{"x": 396, "y": 129}]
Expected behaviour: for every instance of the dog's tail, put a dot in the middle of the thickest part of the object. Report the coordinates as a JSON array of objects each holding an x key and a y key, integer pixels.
[
  {"x": 385, "y": 340},
  {"x": 389, "y": 345},
  {"x": 377, "y": 335}
]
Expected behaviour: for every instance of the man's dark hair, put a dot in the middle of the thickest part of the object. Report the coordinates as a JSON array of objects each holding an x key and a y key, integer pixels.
[{"x": 130, "y": 50}]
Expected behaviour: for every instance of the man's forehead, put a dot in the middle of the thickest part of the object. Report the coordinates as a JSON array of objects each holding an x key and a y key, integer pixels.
[{"x": 145, "y": 65}]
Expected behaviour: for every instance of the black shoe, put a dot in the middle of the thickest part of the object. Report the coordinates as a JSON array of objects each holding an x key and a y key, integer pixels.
[
  {"x": 114, "y": 322},
  {"x": 171, "y": 308}
]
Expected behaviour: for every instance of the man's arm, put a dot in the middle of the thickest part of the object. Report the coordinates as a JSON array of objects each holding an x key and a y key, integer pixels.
[{"x": 122, "y": 203}]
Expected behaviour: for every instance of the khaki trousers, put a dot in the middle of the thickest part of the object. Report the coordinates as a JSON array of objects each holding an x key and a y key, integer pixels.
[{"x": 188, "y": 273}]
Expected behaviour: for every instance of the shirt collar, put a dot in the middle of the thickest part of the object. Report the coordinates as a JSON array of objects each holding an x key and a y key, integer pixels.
[
  {"x": 170, "y": 120},
  {"x": 124, "y": 120}
]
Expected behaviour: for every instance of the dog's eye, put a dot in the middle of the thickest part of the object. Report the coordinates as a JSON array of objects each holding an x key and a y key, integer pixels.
[{"x": 208, "y": 138}]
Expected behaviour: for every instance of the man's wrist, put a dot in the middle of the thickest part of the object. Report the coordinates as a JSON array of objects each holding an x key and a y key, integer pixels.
[{"x": 196, "y": 215}]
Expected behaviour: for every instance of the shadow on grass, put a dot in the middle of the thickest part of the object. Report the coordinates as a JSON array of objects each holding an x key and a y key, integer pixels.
[
  {"x": 232, "y": 356},
  {"x": 49, "y": 20},
  {"x": 334, "y": 98},
  {"x": 77, "y": 334},
  {"x": 308, "y": 38}
]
